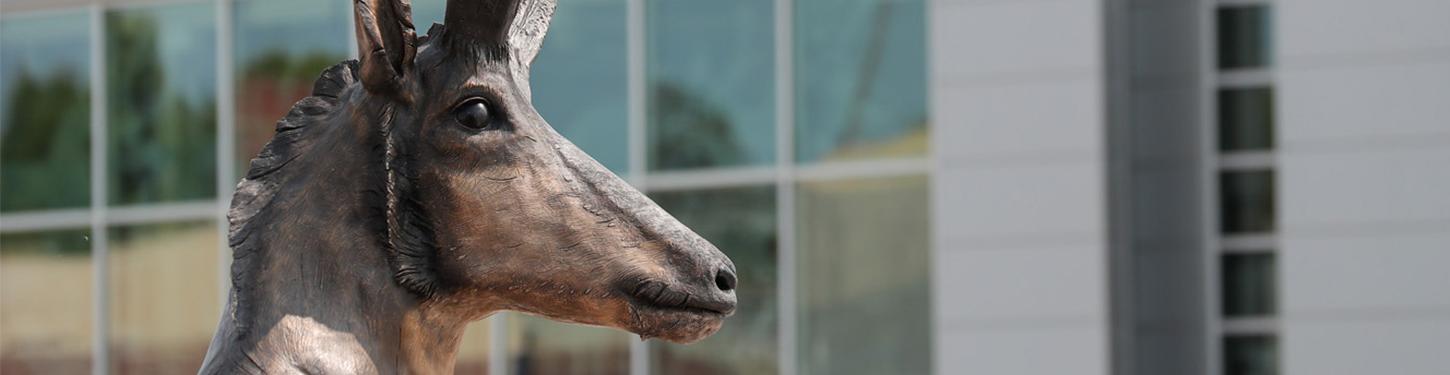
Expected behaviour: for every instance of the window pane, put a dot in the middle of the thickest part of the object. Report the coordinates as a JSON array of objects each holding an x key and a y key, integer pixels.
[
  {"x": 1243, "y": 37},
  {"x": 860, "y": 79},
  {"x": 161, "y": 97},
  {"x": 428, "y": 12},
  {"x": 538, "y": 346},
  {"x": 579, "y": 79},
  {"x": 164, "y": 296},
  {"x": 282, "y": 46},
  {"x": 1247, "y": 201},
  {"x": 741, "y": 222},
  {"x": 473, "y": 352},
  {"x": 711, "y": 92},
  {"x": 1246, "y": 119},
  {"x": 1248, "y": 285},
  {"x": 45, "y": 111},
  {"x": 45, "y": 302},
  {"x": 864, "y": 306},
  {"x": 1250, "y": 355}
]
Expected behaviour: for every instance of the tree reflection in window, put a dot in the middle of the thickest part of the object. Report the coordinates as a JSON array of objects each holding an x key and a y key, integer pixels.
[
  {"x": 161, "y": 104},
  {"x": 692, "y": 133},
  {"x": 45, "y": 138}
]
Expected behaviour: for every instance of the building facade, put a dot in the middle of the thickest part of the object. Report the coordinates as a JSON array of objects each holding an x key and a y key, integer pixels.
[
  {"x": 1190, "y": 187},
  {"x": 907, "y": 186}
]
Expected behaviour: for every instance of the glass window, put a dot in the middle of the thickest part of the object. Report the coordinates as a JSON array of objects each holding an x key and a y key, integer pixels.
[
  {"x": 164, "y": 296},
  {"x": 45, "y": 302},
  {"x": 473, "y": 351},
  {"x": 161, "y": 97},
  {"x": 1250, "y": 355},
  {"x": 1246, "y": 119},
  {"x": 1243, "y": 37},
  {"x": 1248, "y": 285},
  {"x": 281, "y": 47},
  {"x": 428, "y": 12},
  {"x": 45, "y": 110},
  {"x": 741, "y": 222},
  {"x": 1247, "y": 201},
  {"x": 711, "y": 95},
  {"x": 860, "y": 79},
  {"x": 863, "y": 251},
  {"x": 539, "y": 346},
  {"x": 580, "y": 79}
]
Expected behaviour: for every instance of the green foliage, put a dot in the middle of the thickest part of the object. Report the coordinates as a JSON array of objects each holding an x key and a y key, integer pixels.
[
  {"x": 45, "y": 151},
  {"x": 279, "y": 65},
  {"x": 162, "y": 144},
  {"x": 693, "y": 133}
]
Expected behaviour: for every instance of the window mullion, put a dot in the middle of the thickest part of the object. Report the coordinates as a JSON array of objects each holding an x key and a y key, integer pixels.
[{"x": 100, "y": 292}]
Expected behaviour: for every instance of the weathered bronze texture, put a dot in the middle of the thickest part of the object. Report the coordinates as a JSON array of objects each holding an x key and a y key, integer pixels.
[{"x": 418, "y": 190}]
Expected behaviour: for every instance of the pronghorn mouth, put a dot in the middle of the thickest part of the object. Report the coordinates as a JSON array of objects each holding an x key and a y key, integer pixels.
[
  {"x": 660, "y": 296},
  {"x": 663, "y": 315}
]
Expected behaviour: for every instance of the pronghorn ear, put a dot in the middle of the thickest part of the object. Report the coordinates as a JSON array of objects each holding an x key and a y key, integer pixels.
[
  {"x": 493, "y": 25},
  {"x": 386, "y": 43},
  {"x": 526, "y": 34}
]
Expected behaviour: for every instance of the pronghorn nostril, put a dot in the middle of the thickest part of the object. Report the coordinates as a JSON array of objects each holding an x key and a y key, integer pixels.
[{"x": 725, "y": 280}]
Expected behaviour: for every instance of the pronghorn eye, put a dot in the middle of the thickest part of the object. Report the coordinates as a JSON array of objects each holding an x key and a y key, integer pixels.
[{"x": 473, "y": 113}]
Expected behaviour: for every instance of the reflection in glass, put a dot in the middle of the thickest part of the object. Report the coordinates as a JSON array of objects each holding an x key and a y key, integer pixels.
[
  {"x": 1248, "y": 285},
  {"x": 45, "y": 302},
  {"x": 741, "y": 222},
  {"x": 579, "y": 79},
  {"x": 473, "y": 351},
  {"x": 44, "y": 112},
  {"x": 1247, "y": 201},
  {"x": 710, "y": 81},
  {"x": 538, "y": 346},
  {"x": 1246, "y": 119},
  {"x": 863, "y": 250},
  {"x": 161, "y": 103},
  {"x": 860, "y": 79},
  {"x": 282, "y": 46},
  {"x": 164, "y": 293},
  {"x": 1250, "y": 355},
  {"x": 1243, "y": 37},
  {"x": 428, "y": 12}
]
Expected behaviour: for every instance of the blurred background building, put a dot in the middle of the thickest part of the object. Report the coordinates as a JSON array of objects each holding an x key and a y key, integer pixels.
[{"x": 1192, "y": 187}]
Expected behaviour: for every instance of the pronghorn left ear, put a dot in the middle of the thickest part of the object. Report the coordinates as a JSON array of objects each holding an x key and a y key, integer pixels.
[{"x": 386, "y": 44}]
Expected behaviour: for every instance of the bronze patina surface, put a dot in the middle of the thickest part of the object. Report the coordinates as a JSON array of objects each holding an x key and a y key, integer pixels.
[{"x": 418, "y": 190}]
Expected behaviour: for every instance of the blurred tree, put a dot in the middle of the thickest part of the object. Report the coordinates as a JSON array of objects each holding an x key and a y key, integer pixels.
[
  {"x": 162, "y": 143},
  {"x": 692, "y": 133},
  {"x": 46, "y": 144},
  {"x": 279, "y": 65}
]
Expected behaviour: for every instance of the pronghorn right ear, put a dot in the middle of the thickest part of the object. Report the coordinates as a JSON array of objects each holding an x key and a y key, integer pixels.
[
  {"x": 526, "y": 35},
  {"x": 386, "y": 44}
]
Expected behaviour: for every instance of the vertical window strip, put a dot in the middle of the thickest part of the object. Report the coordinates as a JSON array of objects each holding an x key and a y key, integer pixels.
[
  {"x": 1244, "y": 340},
  {"x": 785, "y": 186},
  {"x": 100, "y": 356}
]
